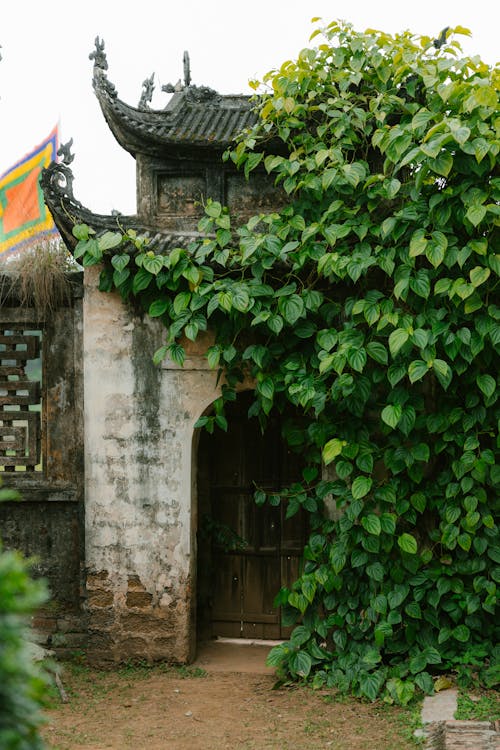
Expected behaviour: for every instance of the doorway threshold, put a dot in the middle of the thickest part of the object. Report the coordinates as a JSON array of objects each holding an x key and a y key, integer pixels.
[
  {"x": 235, "y": 655},
  {"x": 248, "y": 641}
]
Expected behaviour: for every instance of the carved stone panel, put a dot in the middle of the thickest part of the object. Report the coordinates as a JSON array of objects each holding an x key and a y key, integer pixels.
[
  {"x": 179, "y": 200},
  {"x": 246, "y": 198}
]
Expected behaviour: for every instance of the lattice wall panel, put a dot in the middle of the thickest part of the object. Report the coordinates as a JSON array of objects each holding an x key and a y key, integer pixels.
[{"x": 20, "y": 427}]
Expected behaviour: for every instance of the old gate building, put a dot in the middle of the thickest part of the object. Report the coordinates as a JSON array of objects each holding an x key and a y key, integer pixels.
[{"x": 127, "y": 506}]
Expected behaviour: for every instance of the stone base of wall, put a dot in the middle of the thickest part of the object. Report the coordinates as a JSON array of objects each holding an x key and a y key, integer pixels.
[
  {"x": 133, "y": 625},
  {"x": 64, "y": 633}
]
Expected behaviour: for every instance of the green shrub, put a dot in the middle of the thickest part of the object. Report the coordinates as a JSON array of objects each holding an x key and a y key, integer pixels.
[{"x": 22, "y": 683}]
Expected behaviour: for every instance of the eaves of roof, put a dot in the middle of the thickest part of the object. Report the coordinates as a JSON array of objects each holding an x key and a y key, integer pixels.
[
  {"x": 195, "y": 118},
  {"x": 57, "y": 181}
]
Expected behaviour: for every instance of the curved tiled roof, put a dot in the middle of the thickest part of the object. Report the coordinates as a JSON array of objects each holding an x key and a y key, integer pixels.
[
  {"x": 57, "y": 185},
  {"x": 195, "y": 117}
]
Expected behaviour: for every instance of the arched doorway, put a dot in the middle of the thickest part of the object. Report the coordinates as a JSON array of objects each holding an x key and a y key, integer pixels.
[{"x": 246, "y": 553}]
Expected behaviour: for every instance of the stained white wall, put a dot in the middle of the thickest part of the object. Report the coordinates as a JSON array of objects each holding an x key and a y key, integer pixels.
[{"x": 139, "y": 485}]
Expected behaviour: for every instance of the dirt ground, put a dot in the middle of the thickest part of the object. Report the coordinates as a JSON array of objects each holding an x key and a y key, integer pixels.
[{"x": 207, "y": 707}]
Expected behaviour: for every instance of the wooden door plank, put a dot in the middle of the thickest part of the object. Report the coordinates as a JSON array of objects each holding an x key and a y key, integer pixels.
[
  {"x": 227, "y": 587},
  {"x": 247, "y": 578},
  {"x": 261, "y": 582}
]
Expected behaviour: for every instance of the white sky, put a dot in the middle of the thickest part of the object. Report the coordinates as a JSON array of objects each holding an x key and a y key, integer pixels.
[{"x": 46, "y": 75}]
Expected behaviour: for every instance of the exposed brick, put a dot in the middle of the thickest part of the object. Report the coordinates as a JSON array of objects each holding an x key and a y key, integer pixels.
[
  {"x": 100, "y": 575},
  {"x": 132, "y": 648},
  {"x": 136, "y": 622},
  {"x": 134, "y": 584},
  {"x": 102, "y": 619},
  {"x": 99, "y": 657},
  {"x": 100, "y": 599},
  {"x": 164, "y": 649},
  {"x": 139, "y": 599},
  {"x": 68, "y": 640},
  {"x": 95, "y": 580},
  {"x": 99, "y": 641},
  {"x": 68, "y": 654},
  {"x": 70, "y": 624},
  {"x": 44, "y": 623}
]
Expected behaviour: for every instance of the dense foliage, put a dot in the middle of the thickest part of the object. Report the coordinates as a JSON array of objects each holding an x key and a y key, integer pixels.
[
  {"x": 22, "y": 684},
  {"x": 369, "y": 302}
]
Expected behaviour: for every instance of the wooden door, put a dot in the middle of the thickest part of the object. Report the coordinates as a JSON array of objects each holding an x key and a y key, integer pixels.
[{"x": 254, "y": 551}]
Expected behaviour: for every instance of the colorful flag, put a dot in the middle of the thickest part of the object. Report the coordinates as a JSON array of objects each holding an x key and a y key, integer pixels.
[{"x": 23, "y": 213}]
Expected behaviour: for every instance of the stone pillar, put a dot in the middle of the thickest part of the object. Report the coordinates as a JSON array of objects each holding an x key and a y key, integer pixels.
[{"x": 139, "y": 484}]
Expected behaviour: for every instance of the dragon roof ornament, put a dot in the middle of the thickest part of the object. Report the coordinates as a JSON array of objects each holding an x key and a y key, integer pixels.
[
  {"x": 148, "y": 87},
  {"x": 100, "y": 79}
]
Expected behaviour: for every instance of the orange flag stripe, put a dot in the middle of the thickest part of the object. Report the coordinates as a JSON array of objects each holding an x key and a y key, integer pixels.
[{"x": 23, "y": 213}]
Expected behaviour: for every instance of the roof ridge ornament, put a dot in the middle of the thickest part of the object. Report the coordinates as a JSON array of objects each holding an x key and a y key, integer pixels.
[
  {"x": 200, "y": 94},
  {"x": 175, "y": 88},
  {"x": 98, "y": 55},
  {"x": 197, "y": 94},
  {"x": 187, "y": 69},
  {"x": 148, "y": 87},
  {"x": 56, "y": 181},
  {"x": 100, "y": 79},
  {"x": 64, "y": 150}
]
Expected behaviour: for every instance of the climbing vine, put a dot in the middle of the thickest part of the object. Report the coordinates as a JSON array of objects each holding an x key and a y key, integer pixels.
[{"x": 370, "y": 303}]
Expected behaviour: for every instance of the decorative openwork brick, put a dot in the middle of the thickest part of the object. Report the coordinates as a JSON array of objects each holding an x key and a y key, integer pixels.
[{"x": 20, "y": 406}]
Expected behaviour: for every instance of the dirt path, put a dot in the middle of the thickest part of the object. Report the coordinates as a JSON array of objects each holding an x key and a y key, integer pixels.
[{"x": 188, "y": 709}]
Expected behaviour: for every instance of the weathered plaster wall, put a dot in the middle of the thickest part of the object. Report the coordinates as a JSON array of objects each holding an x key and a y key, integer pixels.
[{"x": 139, "y": 422}]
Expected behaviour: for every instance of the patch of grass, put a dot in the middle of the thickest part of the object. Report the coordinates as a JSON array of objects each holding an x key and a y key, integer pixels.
[
  {"x": 335, "y": 697},
  {"x": 407, "y": 718},
  {"x": 68, "y": 739},
  {"x": 186, "y": 671},
  {"x": 82, "y": 684},
  {"x": 39, "y": 277},
  {"x": 483, "y": 706},
  {"x": 85, "y": 675},
  {"x": 134, "y": 669},
  {"x": 314, "y": 726},
  {"x": 142, "y": 670}
]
